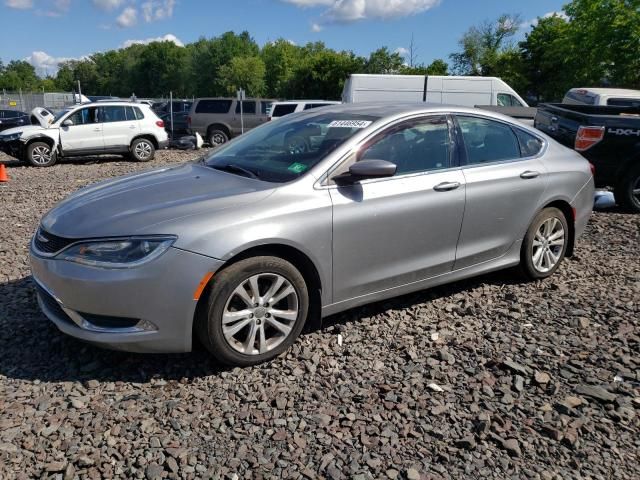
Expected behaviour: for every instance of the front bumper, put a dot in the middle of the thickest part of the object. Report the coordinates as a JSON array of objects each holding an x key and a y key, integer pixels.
[
  {"x": 13, "y": 148},
  {"x": 149, "y": 309}
]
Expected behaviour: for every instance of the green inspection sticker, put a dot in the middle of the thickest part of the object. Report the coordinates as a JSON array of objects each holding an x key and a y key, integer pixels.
[{"x": 297, "y": 167}]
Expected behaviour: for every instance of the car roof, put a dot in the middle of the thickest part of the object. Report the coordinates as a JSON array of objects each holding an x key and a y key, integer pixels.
[
  {"x": 116, "y": 103},
  {"x": 287, "y": 102}
]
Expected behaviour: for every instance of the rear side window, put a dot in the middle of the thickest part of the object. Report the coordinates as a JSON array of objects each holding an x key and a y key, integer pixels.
[
  {"x": 113, "y": 114},
  {"x": 213, "y": 106},
  {"x": 283, "y": 109},
  {"x": 530, "y": 146},
  {"x": 138, "y": 112},
  {"x": 247, "y": 107},
  {"x": 488, "y": 141},
  {"x": 623, "y": 102}
]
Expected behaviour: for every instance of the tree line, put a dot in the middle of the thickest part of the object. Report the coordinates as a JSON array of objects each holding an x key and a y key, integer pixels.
[{"x": 589, "y": 43}]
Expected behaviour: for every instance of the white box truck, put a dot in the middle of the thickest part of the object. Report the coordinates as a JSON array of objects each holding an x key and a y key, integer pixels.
[{"x": 463, "y": 91}]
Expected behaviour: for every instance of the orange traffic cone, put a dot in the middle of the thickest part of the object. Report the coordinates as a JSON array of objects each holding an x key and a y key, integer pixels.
[{"x": 3, "y": 173}]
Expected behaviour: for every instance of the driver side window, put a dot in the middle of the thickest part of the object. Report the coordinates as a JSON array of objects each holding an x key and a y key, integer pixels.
[
  {"x": 416, "y": 146},
  {"x": 85, "y": 116}
]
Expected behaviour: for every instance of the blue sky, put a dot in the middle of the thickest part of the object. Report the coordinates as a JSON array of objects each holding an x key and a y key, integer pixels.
[{"x": 47, "y": 31}]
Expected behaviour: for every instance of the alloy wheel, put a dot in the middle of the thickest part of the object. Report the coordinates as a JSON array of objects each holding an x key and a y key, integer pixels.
[
  {"x": 635, "y": 190},
  {"x": 548, "y": 245},
  {"x": 260, "y": 314},
  {"x": 217, "y": 139},
  {"x": 143, "y": 150},
  {"x": 41, "y": 155}
]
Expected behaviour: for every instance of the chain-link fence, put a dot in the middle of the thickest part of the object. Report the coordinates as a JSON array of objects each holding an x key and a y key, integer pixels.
[{"x": 25, "y": 102}]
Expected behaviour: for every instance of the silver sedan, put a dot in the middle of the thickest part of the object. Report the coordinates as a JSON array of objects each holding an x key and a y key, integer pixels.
[{"x": 304, "y": 217}]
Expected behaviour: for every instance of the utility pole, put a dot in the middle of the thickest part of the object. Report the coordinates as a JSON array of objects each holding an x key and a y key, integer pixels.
[{"x": 413, "y": 52}]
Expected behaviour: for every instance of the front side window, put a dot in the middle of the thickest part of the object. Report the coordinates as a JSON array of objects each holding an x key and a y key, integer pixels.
[
  {"x": 416, "y": 146},
  {"x": 309, "y": 106},
  {"x": 285, "y": 150},
  {"x": 488, "y": 141},
  {"x": 507, "y": 100},
  {"x": 248, "y": 107},
  {"x": 213, "y": 106},
  {"x": 85, "y": 116}
]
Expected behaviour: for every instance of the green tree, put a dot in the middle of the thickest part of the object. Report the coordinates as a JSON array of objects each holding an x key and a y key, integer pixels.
[
  {"x": 481, "y": 46},
  {"x": 438, "y": 67},
  {"x": 547, "y": 62},
  {"x": 19, "y": 74},
  {"x": 280, "y": 59},
  {"x": 243, "y": 72},
  {"x": 383, "y": 61}
]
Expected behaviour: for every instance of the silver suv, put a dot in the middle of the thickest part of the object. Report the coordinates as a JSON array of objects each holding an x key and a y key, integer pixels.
[{"x": 218, "y": 119}]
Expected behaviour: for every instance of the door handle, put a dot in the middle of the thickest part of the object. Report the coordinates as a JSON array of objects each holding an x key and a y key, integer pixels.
[
  {"x": 97, "y": 129},
  {"x": 446, "y": 186},
  {"x": 529, "y": 174},
  {"x": 132, "y": 127}
]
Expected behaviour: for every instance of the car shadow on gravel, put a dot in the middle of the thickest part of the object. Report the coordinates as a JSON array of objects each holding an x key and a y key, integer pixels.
[
  {"x": 73, "y": 161},
  {"x": 34, "y": 349}
]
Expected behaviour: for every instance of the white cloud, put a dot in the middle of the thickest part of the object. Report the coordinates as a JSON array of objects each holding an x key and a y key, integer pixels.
[
  {"x": 45, "y": 64},
  {"x": 403, "y": 52},
  {"x": 19, "y": 4},
  {"x": 347, "y": 11},
  {"x": 153, "y": 10},
  {"x": 108, "y": 5},
  {"x": 532, "y": 23},
  {"x": 316, "y": 27},
  {"x": 128, "y": 18},
  {"x": 169, "y": 37}
]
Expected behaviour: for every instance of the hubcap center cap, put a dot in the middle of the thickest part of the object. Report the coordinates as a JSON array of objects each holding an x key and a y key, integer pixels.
[{"x": 260, "y": 312}]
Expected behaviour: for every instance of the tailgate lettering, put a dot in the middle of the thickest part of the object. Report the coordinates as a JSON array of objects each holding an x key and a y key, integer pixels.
[{"x": 624, "y": 131}]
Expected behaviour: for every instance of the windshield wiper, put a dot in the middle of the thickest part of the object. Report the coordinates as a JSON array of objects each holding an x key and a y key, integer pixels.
[{"x": 231, "y": 168}]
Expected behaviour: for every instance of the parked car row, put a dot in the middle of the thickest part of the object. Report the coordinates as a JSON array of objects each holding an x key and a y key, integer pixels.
[{"x": 13, "y": 118}]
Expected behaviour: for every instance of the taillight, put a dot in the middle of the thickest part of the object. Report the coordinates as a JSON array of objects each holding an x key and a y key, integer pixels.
[
  {"x": 593, "y": 169},
  {"x": 160, "y": 123},
  {"x": 587, "y": 137}
]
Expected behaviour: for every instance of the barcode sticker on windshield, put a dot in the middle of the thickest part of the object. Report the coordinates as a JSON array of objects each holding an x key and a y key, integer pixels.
[{"x": 350, "y": 124}]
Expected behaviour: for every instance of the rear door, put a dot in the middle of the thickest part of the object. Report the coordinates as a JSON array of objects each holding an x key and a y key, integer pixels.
[
  {"x": 400, "y": 230},
  {"x": 120, "y": 126},
  {"x": 85, "y": 134},
  {"x": 505, "y": 180},
  {"x": 250, "y": 114}
]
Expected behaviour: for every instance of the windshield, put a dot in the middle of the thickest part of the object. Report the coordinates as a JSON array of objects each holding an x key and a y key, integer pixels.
[
  {"x": 284, "y": 150},
  {"x": 60, "y": 114}
]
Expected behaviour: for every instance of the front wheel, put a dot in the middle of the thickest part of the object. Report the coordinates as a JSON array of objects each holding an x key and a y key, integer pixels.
[
  {"x": 545, "y": 244},
  {"x": 142, "y": 150},
  {"x": 256, "y": 309},
  {"x": 39, "y": 154},
  {"x": 627, "y": 193}
]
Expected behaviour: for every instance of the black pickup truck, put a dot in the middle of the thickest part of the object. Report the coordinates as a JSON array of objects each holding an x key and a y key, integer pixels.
[{"x": 607, "y": 136}]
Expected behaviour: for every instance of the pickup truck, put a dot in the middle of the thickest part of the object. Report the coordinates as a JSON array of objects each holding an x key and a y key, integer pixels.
[{"x": 607, "y": 136}]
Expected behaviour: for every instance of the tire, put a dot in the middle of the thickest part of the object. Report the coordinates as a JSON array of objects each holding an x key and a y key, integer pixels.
[
  {"x": 231, "y": 343},
  {"x": 39, "y": 154},
  {"x": 545, "y": 244},
  {"x": 142, "y": 150},
  {"x": 627, "y": 193},
  {"x": 217, "y": 137}
]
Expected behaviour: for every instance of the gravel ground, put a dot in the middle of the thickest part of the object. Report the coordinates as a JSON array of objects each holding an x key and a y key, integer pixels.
[{"x": 488, "y": 378}]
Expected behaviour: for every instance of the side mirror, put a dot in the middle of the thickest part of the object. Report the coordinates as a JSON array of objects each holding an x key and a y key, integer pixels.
[
  {"x": 366, "y": 169},
  {"x": 67, "y": 123}
]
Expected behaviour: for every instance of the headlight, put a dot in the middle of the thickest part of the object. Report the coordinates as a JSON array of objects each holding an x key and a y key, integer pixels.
[
  {"x": 117, "y": 253},
  {"x": 11, "y": 137}
]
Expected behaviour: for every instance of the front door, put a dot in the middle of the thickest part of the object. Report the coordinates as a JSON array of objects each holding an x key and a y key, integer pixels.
[
  {"x": 399, "y": 230},
  {"x": 84, "y": 134},
  {"x": 505, "y": 181}
]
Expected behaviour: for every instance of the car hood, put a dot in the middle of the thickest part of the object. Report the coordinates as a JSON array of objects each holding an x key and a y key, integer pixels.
[
  {"x": 138, "y": 204},
  {"x": 24, "y": 129}
]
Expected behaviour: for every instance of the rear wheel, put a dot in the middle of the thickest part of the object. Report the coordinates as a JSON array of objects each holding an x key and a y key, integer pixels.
[
  {"x": 39, "y": 154},
  {"x": 142, "y": 150},
  {"x": 256, "y": 309},
  {"x": 627, "y": 193},
  {"x": 545, "y": 244},
  {"x": 217, "y": 137}
]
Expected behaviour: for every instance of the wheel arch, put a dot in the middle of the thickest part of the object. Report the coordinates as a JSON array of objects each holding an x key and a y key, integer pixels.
[
  {"x": 293, "y": 255},
  {"x": 146, "y": 136},
  {"x": 567, "y": 210},
  {"x": 220, "y": 126}
]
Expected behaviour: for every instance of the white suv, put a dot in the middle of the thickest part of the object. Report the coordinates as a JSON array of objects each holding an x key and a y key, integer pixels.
[
  {"x": 131, "y": 129},
  {"x": 280, "y": 109}
]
